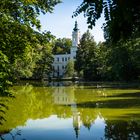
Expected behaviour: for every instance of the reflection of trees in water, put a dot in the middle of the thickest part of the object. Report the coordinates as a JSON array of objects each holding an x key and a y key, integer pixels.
[
  {"x": 87, "y": 116},
  {"x": 100, "y": 101},
  {"x": 122, "y": 130},
  {"x": 2, "y": 112},
  {"x": 12, "y": 135},
  {"x": 4, "y": 100},
  {"x": 42, "y": 102}
]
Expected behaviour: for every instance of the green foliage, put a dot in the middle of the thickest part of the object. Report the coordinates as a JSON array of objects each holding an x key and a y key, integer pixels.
[
  {"x": 4, "y": 74},
  {"x": 43, "y": 65},
  {"x": 86, "y": 56},
  {"x": 36, "y": 60},
  {"x": 70, "y": 69},
  {"x": 26, "y": 11},
  {"x": 19, "y": 43},
  {"x": 62, "y": 46},
  {"x": 83, "y": 50},
  {"x": 105, "y": 61},
  {"x": 91, "y": 9},
  {"x": 24, "y": 66},
  {"x": 123, "y": 60},
  {"x": 122, "y": 17}
]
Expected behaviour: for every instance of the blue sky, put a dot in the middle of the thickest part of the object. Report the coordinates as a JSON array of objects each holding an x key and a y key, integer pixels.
[{"x": 60, "y": 23}]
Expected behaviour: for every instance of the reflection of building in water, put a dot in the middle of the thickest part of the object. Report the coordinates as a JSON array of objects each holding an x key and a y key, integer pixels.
[
  {"x": 58, "y": 84},
  {"x": 76, "y": 119},
  {"x": 65, "y": 96}
]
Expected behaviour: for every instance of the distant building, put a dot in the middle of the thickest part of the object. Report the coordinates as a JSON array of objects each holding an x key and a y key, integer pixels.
[{"x": 61, "y": 60}]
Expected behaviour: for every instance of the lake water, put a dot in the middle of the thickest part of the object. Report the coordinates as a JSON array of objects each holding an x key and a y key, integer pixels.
[{"x": 71, "y": 112}]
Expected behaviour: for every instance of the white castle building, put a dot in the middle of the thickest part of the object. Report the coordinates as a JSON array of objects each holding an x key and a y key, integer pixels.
[{"x": 61, "y": 60}]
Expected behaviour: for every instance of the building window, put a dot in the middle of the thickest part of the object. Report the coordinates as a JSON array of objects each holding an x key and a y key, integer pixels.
[
  {"x": 63, "y": 67},
  {"x": 74, "y": 57},
  {"x": 66, "y": 59},
  {"x": 62, "y": 59},
  {"x": 58, "y": 68},
  {"x": 58, "y": 59}
]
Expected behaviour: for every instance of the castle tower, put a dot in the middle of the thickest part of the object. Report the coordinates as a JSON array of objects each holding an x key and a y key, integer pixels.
[
  {"x": 76, "y": 119},
  {"x": 75, "y": 35},
  {"x": 75, "y": 39},
  {"x": 61, "y": 60}
]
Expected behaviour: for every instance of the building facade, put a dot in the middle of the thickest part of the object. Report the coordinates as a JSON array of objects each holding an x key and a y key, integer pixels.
[{"x": 61, "y": 60}]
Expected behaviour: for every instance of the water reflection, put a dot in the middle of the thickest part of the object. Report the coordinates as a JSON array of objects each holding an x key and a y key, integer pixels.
[
  {"x": 121, "y": 130},
  {"x": 74, "y": 112},
  {"x": 64, "y": 96}
]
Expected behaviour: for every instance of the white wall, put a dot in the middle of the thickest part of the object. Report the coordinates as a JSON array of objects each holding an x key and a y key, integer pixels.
[{"x": 61, "y": 60}]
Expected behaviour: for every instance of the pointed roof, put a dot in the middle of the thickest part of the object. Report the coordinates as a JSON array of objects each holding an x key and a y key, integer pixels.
[
  {"x": 76, "y": 26},
  {"x": 77, "y": 131}
]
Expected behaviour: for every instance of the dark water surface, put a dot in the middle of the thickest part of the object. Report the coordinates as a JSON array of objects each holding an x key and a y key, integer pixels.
[{"x": 84, "y": 112}]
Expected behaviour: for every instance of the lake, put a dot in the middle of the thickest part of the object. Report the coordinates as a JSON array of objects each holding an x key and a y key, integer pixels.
[{"x": 71, "y": 111}]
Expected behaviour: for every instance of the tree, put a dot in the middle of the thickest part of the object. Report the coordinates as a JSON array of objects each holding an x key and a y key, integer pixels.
[
  {"x": 123, "y": 60},
  {"x": 86, "y": 57},
  {"x": 62, "y": 46},
  {"x": 122, "y": 34},
  {"x": 70, "y": 69},
  {"x": 17, "y": 35},
  {"x": 43, "y": 65},
  {"x": 36, "y": 61},
  {"x": 16, "y": 22},
  {"x": 92, "y": 59},
  {"x": 85, "y": 41},
  {"x": 4, "y": 74},
  {"x": 122, "y": 17}
]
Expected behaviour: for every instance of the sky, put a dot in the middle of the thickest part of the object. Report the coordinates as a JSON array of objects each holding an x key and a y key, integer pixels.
[{"x": 60, "y": 23}]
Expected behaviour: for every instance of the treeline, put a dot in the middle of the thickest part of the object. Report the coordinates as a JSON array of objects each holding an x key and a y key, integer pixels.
[
  {"x": 119, "y": 57},
  {"x": 106, "y": 61}
]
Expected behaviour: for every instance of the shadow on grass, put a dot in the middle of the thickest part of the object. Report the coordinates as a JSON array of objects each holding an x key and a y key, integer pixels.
[
  {"x": 112, "y": 85},
  {"x": 118, "y": 103},
  {"x": 134, "y": 94}
]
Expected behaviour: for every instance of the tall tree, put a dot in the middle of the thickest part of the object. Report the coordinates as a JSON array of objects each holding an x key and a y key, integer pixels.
[
  {"x": 43, "y": 65},
  {"x": 86, "y": 57},
  {"x": 70, "y": 69}
]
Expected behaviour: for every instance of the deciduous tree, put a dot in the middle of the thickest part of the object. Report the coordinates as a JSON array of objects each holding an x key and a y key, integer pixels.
[{"x": 122, "y": 18}]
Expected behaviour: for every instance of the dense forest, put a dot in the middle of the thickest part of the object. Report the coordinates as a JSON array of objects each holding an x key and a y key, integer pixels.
[
  {"x": 108, "y": 61},
  {"x": 118, "y": 58},
  {"x": 26, "y": 53}
]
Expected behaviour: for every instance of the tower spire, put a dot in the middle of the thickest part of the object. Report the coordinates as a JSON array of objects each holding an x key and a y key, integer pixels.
[
  {"x": 76, "y": 26},
  {"x": 75, "y": 35}
]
